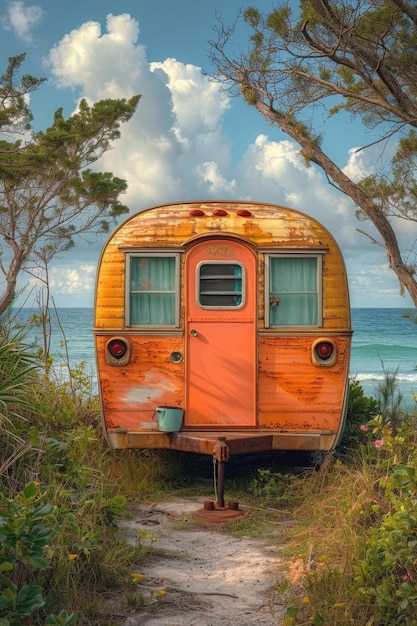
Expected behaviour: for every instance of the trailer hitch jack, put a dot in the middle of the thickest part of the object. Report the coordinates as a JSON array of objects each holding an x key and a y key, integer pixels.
[
  {"x": 217, "y": 512},
  {"x": 221, "y": 455}
]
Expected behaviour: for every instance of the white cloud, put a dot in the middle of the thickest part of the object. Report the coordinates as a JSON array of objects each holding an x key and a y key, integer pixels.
[
  {"x": 67, "y": 280},
  {"x": 359, "y": 165},
  {"x": 177, "y": 128},
  {"x": 363, "y": 162},
  {"x": 72, "y": 281},
  {"x": 371, "y": 281},
  {"x": 177, "y": 148},
  {"x": 104, "y": 65},
  {"x": 197, "y": 103},
  {"x": 218, "y": 185},
  {"x": 275, "y": 171},
  {"x": 22, "y": 19}
]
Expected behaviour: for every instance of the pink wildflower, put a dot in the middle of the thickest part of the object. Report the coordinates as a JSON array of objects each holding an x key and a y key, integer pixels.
[
  {"x": 363, "y": 427},
  {"x": 379, "y": 443},
  {"x": 407, "y": 577}
]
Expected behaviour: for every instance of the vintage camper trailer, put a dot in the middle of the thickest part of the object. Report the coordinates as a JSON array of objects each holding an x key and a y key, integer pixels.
[{"x": 222, "y": 328}]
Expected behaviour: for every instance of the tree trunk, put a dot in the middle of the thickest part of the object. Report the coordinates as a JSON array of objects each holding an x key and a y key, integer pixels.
[{"x": 312, "y": 152}]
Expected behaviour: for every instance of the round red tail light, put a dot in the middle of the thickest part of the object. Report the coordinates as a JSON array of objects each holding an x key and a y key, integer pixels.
[
  {"x": 118, "y": 351},
  {"x": 117, "y": 348},
  {"x": 324, "y": 350}
]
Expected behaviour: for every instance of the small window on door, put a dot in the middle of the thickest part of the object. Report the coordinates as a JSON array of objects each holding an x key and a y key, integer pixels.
[
  {"x": 220, "y": 285},
  {"x": 152, "y": 289},
  {"x": 294, "y": 296}
]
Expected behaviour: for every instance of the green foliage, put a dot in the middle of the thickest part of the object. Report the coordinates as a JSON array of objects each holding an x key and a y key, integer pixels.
[
  {"x": 84, "y": 556},
  {"x": 355, "y": 60},
  {"x": 360, "y": 410},
  {"x": 62, "y": 619},
  {"x": 252, "y": 16},
  {"x": 17, "y": 370},
  {"x": 278, "y": 21},
  {"x": 24, "y": 539},
  {"x": 386, "y": 572},
  {"x": 360, "y": 532},
  {"x": 16, "y": 115},
  {"x": 54, "y": 437},
  {"x": 22, "y": 533},
  {"x": 270, "y": 486},
  {"x": 390, "y": 398},
  {"x": 59, "y": 404},
  {"x": 48, "y": 191}
]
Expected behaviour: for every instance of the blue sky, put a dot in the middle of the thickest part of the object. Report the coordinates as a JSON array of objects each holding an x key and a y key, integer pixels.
[{"x": 188, "y": 139}]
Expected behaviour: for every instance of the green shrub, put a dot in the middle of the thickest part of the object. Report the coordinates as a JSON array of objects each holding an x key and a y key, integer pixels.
[
  {"x": 53, "y": 438},
  {"x": 358, "y": 533},
  {"x": 386, "y": 573},
  {"x": 25, "y": 536},
  {"x": 360, "y": 410},
  {"x": 17, "y": 370}
]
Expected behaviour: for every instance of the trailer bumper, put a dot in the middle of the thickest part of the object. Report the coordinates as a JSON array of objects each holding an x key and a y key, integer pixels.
[{"x": 236, "y": 442}]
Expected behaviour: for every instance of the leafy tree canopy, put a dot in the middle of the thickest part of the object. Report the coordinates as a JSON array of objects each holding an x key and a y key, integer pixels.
[
  {"x": 359, "y": 57},
  {"x": 49, "y": 192}
]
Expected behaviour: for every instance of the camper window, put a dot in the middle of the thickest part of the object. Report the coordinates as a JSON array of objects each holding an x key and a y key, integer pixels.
[
  {"x": 294, "y": 297},
  {"x": 220, "y": 285},
  {"x": 152, "y": 289}
]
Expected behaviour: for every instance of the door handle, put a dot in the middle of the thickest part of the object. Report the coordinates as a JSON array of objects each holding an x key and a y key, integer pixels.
[{"x": 193, "y": 333}]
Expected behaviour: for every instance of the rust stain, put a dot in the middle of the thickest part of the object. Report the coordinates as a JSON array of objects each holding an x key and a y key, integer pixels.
[{"x": 291, "y": 392}]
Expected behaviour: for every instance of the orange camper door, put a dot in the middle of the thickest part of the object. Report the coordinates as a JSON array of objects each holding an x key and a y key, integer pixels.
[{"x": 221, "y": 287}]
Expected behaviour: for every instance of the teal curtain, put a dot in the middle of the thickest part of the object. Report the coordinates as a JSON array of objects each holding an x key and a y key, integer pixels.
[
  {"x": 152, "y": 290},
  {"x": 237, "y": 271},
  {"x": 293, "y": 291}
]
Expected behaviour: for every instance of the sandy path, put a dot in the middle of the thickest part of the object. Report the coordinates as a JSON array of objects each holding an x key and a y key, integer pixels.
[{"x": 210, "y": 577}]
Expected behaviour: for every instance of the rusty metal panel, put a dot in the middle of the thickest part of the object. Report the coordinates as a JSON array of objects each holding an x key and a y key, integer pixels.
[
  {"x": 130, "y": 394},
  {"x": 293, "y": 393},
  {"x": 204, "y": 442}
]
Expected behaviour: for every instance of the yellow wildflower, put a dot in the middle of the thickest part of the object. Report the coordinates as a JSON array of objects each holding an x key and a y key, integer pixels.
[{"x": 136, "y": 577}]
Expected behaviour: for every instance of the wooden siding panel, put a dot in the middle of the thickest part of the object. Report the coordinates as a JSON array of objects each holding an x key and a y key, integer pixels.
[{"x": 270, "y": 227}]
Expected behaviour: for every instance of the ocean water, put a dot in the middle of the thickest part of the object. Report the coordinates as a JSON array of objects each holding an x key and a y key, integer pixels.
[{"x": 383, "y": 339}]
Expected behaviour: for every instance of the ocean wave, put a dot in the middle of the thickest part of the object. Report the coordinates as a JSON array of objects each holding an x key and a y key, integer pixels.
[
  {"x": 382, "y": 347},
  {"x": 408, "y": 378}
]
